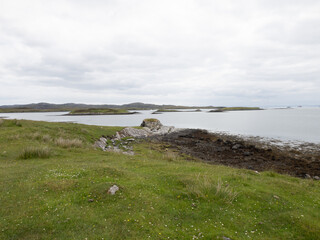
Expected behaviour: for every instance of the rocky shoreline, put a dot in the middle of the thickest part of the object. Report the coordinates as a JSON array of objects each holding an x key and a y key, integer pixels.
[{"x": 215, "y": 148}]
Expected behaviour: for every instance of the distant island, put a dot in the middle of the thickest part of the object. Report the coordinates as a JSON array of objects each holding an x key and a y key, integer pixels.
[
  {"x": 95, "y": 111},
  {"x": 159, "y": 111},
  {"x": 226, "y": 109},
  {"x": 112, "y": 109}
]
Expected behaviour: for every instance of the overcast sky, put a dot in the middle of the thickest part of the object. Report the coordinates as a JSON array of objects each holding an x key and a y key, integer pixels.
[{"x": 190, "y": 52}]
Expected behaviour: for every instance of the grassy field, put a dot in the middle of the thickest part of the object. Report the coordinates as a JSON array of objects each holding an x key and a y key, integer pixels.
[{"x": 53, "y": 185}]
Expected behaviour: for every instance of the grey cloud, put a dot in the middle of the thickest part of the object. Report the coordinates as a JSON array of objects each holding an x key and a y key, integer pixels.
[{"x": 197, "y": 52}]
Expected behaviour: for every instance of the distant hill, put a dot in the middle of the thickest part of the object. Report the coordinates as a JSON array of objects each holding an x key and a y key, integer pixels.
[{"x": 72, "y": 106}]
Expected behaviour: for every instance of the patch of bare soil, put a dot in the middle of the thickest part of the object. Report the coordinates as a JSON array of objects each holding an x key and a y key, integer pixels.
[{"x": 243, "y": 153}]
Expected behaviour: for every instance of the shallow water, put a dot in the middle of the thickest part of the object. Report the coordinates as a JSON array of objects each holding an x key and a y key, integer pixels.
[{"x": 298, "y": 124}]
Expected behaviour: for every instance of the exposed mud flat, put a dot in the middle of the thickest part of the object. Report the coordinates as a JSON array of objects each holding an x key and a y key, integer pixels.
[{"x": 301, "y": 161}]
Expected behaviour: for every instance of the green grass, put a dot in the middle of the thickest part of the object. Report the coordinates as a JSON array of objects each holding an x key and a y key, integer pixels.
[
  {"x": 95, "y": 111},
  {"x": 161, "y": 196},
  {"x": 35, "y": 152},
  {"x": 151, "y": 120}
]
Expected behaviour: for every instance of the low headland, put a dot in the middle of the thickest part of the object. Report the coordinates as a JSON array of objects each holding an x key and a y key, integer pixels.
[
  {"x": 226, "y": 109},
  {"x": 159, "y": 111},
  {"x": 95, "y": 111},
  {"x": 74, "y": 181}
]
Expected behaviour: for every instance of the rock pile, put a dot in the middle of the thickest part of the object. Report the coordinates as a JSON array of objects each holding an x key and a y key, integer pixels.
[{"x": 121, "y": 142}]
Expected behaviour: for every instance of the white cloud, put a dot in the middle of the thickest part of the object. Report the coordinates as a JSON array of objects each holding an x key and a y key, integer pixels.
[{"x": 181, "y": 52}]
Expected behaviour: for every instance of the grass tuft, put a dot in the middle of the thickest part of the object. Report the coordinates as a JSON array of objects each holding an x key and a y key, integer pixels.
[
  {"x": 225, "y": 192},
  {"x": 204, "y": 187},
  {"x": 69, "y": 143},
  {"x": 35, "y": 152}
]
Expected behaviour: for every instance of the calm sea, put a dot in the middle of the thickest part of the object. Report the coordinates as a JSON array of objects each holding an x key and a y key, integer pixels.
[{"x": 296, "y": 124}]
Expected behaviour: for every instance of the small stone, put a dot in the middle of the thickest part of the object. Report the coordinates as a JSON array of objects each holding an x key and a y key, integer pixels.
[
  {"x": 226, "y": 238},
  {"x": 90, "y": 200},
  {"x": 113, "y": 189},
  {"x": 307, "y": 176},
  {"x": 275, "y": 196},
  {"x": 247, "y": 153},
  {"x": 316, "y": 178},
  {"x": 236, "y": 146}
]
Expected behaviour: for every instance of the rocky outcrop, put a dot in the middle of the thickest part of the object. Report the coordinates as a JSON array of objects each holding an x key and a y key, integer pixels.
[
  {"x": 132, "y": 132},
  {"x": 152, "y": 124},
  {"x": 122, "y": 140}
]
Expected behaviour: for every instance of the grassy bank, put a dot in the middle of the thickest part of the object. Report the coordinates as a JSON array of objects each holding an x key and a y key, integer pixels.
[{"x": 63, "y": 193}]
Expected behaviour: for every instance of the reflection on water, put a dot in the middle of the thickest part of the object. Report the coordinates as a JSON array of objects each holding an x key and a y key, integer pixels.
[{"x": 302, "y": 124}]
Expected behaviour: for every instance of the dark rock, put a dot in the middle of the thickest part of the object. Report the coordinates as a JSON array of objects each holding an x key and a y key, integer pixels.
[{"x": 246, "y": 153}]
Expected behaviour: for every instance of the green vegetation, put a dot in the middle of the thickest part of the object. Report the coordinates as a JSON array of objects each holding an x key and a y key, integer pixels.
[
  {"x": 151, "y": 120},
  {"x": 161, "y": 196},
  {"x": 240, "y": 108},
  {"x": 35, "y": 152},
  {"x": 167, "y": 110},
  {"x": 95, "y": 111},
  {"x": 17, "y": 110}
]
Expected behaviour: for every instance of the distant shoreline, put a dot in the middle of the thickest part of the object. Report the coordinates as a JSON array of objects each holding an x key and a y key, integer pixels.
[{"x": 98, "y": 114}]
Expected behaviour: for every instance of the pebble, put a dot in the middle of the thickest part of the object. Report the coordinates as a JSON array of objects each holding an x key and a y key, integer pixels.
[
  {"x": 275, "y": 196},
  {"x": 113, "y": 190},
  {"x": 307, "y": 176},
  {"x": 247, "y": 153},
  {"x": 236, "y": 146}
]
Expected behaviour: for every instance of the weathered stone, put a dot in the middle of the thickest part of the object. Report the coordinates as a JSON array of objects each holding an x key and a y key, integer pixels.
[
  {"x": 307, "y": 176},
  {"x": 151, "y": 123},
  {"x": 112, "y": 190},
  {"x": 101, "y": 143},
  {"x": 132, "y": 132},
  {"x": 236, "y": 146},
  {"x": 316, "y": 178},
  {"x": 226, "y": 238}
]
